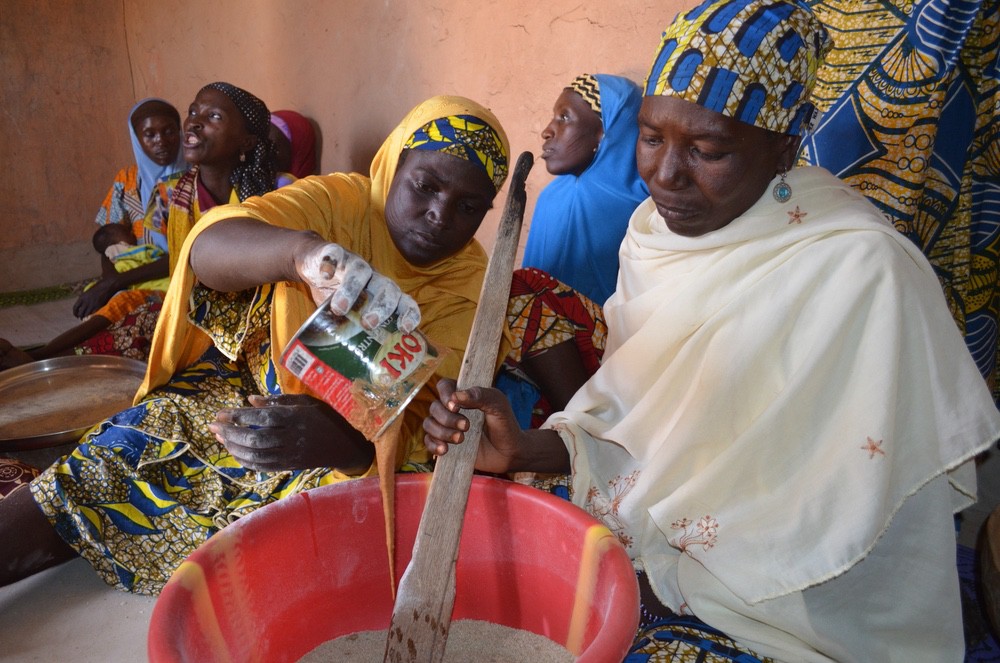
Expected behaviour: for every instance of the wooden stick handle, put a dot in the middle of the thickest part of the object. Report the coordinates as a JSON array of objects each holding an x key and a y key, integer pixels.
[{"x": 421, "y": 615}]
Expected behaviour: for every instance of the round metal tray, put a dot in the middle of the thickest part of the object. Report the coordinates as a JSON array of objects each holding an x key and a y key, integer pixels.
[{"x": 54, "y": 401}]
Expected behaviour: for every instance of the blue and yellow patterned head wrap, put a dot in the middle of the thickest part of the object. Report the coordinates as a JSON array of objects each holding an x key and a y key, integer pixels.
[
  {"x": 752, "y": 60},
  {"x": 466, "y": 137}
]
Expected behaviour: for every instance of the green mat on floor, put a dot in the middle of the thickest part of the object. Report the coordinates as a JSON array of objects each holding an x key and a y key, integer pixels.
[{"x": 41, "y": 295}]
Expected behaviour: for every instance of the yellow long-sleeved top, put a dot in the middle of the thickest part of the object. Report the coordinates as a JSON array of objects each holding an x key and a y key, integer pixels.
[{"x": 347, "y": 209}]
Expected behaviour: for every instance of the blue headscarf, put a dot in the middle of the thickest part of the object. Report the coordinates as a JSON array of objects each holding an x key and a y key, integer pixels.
[
  {"x": 151, "y": 172},
  {"x": 579, "y": 221}
]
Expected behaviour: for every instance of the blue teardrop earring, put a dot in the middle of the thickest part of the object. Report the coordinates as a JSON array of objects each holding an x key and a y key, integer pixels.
[{"x": 782, "y": 191}]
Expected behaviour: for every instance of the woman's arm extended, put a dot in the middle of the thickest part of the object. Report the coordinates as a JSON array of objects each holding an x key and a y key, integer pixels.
[
  {"x": 241, "y": 253},
  {"x": 110, "y": 283}
]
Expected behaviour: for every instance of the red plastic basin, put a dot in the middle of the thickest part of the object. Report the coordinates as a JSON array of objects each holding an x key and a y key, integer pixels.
[{"x": 312, "y": 567}]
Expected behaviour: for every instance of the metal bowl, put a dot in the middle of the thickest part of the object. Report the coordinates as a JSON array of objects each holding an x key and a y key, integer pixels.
[{"x": 54, "y": 401}]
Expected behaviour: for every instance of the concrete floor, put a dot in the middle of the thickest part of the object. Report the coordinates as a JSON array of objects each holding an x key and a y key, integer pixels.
[
  {"x": 65, "y": 613},
  {"x": 36, "y": 324}
]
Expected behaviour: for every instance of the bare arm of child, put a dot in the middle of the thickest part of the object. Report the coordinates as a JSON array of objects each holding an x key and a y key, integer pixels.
[{"x": 102, "y": 291}]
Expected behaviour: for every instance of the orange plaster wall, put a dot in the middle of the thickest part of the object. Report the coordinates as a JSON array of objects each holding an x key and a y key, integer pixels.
[
  {"x": 63, "y": 84},
  {"x": 70, "y": 72}
]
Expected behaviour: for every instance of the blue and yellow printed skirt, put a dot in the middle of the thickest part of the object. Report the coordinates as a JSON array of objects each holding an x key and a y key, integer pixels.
[{"x": 149, "y": 485}]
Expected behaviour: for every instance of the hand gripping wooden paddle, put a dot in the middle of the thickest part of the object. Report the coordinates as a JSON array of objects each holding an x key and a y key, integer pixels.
[{"x": 421, "y": 615}]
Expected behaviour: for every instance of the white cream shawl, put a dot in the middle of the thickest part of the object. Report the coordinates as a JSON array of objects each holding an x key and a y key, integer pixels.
[{"x": 771, "y": 395}]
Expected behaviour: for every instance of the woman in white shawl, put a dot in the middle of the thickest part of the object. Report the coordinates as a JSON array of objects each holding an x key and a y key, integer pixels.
[{"x": 785, "y": 418}]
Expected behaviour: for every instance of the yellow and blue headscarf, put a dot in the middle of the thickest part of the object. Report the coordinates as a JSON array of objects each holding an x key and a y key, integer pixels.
[
  {"x": 467, "y": 137},
  {"x": 752, "y": 60}
]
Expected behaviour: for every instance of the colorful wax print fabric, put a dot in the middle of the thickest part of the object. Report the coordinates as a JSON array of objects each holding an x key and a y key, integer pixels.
[{"x": 909, "y": 97}]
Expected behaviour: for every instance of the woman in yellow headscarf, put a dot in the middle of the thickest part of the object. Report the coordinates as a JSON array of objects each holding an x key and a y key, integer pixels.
[{"x": 150, "y": 484}]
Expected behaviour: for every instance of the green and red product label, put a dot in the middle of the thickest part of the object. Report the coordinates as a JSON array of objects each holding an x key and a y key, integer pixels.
[{"x": 367, "y": 376}]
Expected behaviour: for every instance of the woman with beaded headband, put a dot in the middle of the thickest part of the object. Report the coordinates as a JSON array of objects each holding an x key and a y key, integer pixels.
[
  {"x": 192, "y": 456},
  {"x": 785, "y": 418},
  {"x": 580, "y": 216}
]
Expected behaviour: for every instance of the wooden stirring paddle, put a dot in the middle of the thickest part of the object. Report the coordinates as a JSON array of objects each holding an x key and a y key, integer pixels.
[{"x": 421, "y": 615}]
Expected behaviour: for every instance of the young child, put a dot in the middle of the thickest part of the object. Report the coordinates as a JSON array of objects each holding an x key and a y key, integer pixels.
[{"x": 117, "y": 243}]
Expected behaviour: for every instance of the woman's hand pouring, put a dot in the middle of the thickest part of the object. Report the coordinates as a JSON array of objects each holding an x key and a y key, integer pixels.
[{"x": 333, "y": 273}]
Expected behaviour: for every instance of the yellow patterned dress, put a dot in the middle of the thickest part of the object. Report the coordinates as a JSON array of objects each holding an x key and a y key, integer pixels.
[
  {"x": 909, "y": 96},
  {"x": 150, "y": 484}
]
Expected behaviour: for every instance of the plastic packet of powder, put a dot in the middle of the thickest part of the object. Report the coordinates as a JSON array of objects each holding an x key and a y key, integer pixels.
[{"x": 369, "y": 377}]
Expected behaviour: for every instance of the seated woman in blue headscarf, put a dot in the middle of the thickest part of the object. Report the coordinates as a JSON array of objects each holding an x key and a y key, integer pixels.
[
  {"x": 581, "y": 216},
  {"x": 138, "y": 194},
  {"x": 571, "y": 256}
]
